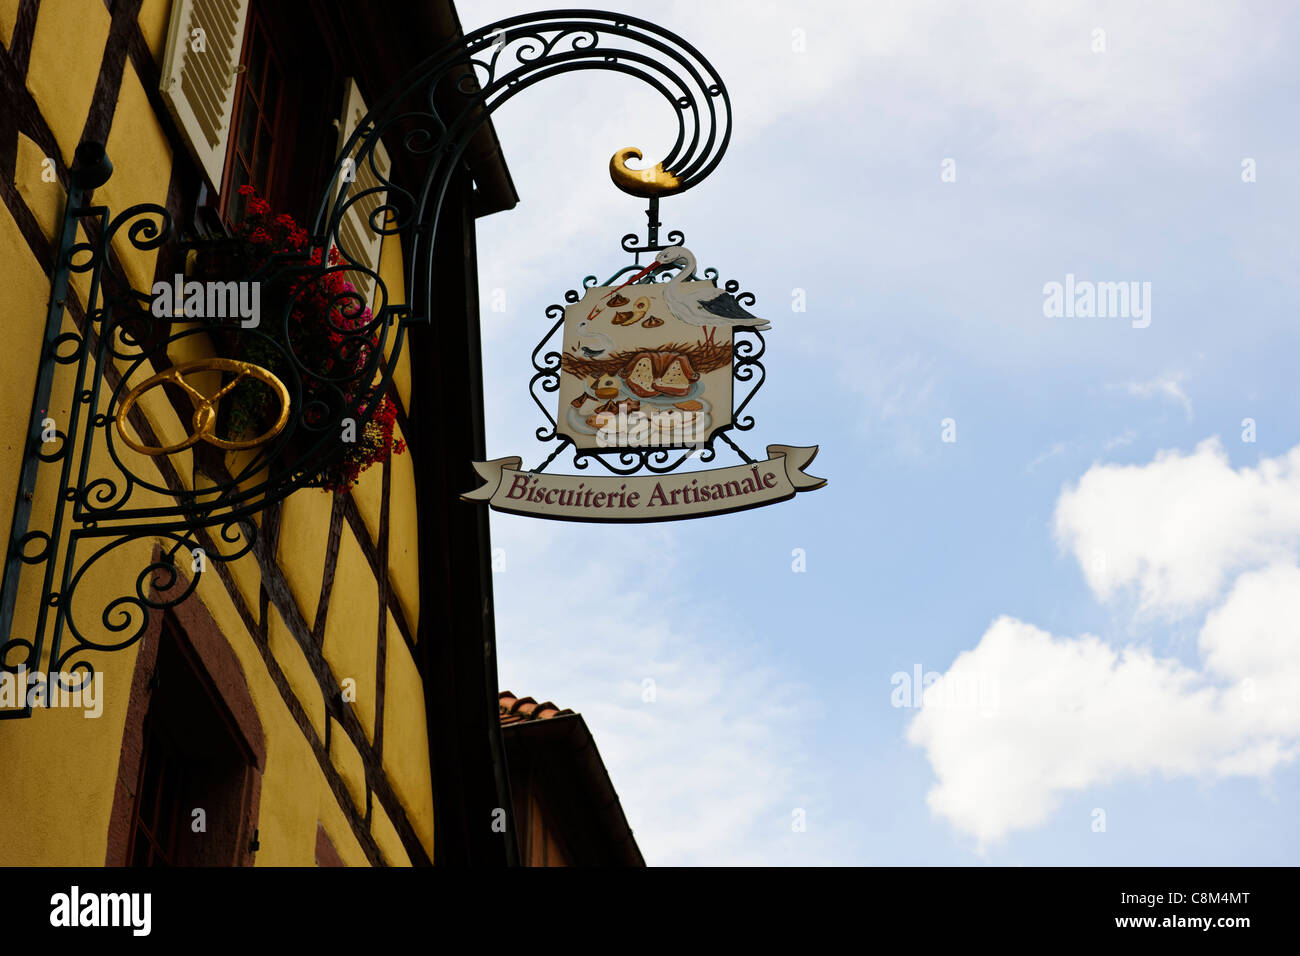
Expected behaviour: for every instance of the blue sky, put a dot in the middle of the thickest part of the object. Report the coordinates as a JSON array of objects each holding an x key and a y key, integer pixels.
[{"x": 1099, "y": 545}]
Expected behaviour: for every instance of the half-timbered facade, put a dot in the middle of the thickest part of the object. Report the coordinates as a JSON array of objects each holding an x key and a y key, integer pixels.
[{"x": 328, "y": 698}]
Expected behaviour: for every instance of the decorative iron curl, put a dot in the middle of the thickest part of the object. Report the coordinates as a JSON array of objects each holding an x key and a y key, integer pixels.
[
  {"x": 144, "y": 233},
  {"x": 747, "y": 368},
  {"x": 629, "y": 242},
  {"x": 67, "y": 358},
  {"x": 656, "y": 460},
  {"x": 428, "y": 120},
  {"x": 434, "y": 112},
  {"x": 58, "y": 453},
  {"x": 127, "y": 616}
]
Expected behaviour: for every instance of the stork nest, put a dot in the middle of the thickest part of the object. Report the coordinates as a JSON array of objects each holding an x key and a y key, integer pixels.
[{"x": 704, "y": 357}]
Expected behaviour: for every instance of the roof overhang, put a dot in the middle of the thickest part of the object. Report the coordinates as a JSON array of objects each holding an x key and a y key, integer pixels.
[
  {"x": 386, "y": 49},
  {"x": 578, "y": 784}
]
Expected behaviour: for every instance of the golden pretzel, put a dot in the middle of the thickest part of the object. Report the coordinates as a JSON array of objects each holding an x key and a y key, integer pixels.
[{"x": 205, "y": 408}]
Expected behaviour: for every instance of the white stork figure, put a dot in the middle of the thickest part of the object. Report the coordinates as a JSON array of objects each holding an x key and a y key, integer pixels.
[
  {"x": 702, "y": 305},
  {"x": 589, "y": 342}
]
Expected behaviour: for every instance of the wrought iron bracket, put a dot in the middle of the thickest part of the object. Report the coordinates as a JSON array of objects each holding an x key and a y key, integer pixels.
[{"x": 106, "y": 495}]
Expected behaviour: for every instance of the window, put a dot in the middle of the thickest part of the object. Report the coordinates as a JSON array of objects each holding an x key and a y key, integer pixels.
[
  {"x": 259, "y": 104},
  {"x": 155, "y": 821},
  {"x": 193, "y": 793},
  {"x": 283, "y": 116}
]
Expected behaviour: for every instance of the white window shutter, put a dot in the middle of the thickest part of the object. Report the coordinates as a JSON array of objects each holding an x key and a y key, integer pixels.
[
  {"x": 199, "y": 71},
  {"x": 357, "y": 237}
]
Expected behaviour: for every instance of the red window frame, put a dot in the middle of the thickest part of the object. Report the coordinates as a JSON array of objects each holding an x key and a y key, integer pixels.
[{"x": 259, "y": 111}]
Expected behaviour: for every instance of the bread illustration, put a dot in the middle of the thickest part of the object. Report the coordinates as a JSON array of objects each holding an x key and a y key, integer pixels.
[
  {"x": 622, "y": 318},
  {"x": 581, "y": 400},
  {"x": 677, "y": 377},
  {"x": 640, "y": 375},
  {"x": 659, "y": 373},
  {"x": 618, "y": 300},
  {"x": 605, "y": 386},
  {"x": 690, "y": 405},
  {"x": 652, "y": 323}
]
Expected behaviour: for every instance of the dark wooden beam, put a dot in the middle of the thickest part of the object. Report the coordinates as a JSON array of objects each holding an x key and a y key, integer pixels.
[{"x": 457, "y": 640}]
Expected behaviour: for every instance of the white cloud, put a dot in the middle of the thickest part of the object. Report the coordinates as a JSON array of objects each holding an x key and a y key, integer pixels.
[
  {"x": 1166, "y": 386},
  {"x": 1031, "y": 81},
  {"x": 1254, "y": 638},
  {"x": 1126, "y": 437},
  {"x": 1055, "y": 450},
  {"x": 1074, "y": 713},
  {"x": 893, "y": 82},
  {"x": 1176, "y": 528}
]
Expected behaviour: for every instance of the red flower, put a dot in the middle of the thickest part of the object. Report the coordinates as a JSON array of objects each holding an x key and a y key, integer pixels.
[{"x": 330, "y": 330}]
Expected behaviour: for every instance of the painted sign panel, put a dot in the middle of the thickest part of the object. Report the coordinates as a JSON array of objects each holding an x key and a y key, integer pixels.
[{"x": 636, "y": 375}]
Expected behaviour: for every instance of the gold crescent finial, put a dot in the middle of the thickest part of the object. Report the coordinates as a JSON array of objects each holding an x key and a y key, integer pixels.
[{"x": 651, "y": 181}]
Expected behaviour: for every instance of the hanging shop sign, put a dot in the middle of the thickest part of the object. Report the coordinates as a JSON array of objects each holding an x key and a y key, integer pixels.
[
  {"x": 294, "y": 341},
  {"x": 647, "y": 376}
]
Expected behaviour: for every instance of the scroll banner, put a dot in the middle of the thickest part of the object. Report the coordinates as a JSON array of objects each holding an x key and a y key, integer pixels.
[{"x": 630, "y": 498}]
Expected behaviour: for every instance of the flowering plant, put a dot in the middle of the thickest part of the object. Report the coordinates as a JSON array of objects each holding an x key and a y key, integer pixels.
[{"x": 329, "y": 331}]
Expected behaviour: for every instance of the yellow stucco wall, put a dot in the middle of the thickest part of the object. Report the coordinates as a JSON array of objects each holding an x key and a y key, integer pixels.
[
  {"x": 27, "y": 292},
  {"x": 385, "y": 834},
  {"x": 297, "y": 670},
  {"x": 8, "y": 16},
  {"x": 153, "y": 19},
  {"x": 44, "y": 199},
  {"x": 406, "y": 739},
  {"x": 58, "y": 793},
  {"x": 304, "y": 536},
  {"x": 368, "y": 493},
  {"x": 66, "y": 52},
  {"x": 393, "y": 274},
  {"x": 351, "y": 644},
  {"x": 403, "y": 544},
  {"x": 61, "y": 768},
  {"x": 141, "y": 175}
]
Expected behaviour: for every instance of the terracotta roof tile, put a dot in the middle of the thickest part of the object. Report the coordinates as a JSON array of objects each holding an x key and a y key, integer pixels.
[{"x": 515, "y": 709}]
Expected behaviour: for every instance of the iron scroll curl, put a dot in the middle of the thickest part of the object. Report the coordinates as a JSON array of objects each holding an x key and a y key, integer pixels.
[
  {"x": 428, "y": 120},
  {"x": 435, "y": 112}
]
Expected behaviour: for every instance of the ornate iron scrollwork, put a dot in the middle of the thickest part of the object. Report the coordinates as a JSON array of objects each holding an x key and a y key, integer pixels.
[
  {"x": 747, "y": 368},
  {"x": 108, "y": 492}
]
